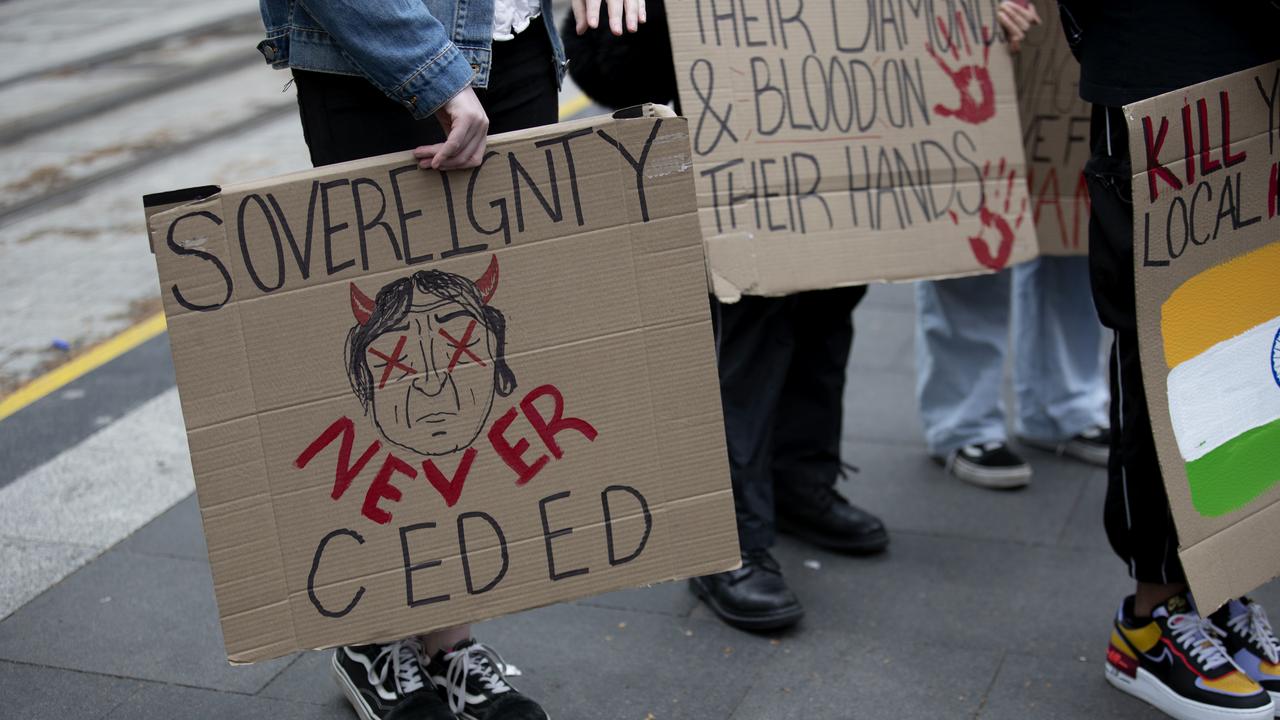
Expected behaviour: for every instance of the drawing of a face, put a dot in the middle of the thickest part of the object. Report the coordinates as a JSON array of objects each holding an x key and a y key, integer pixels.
[{"x": 428, "y": 355}]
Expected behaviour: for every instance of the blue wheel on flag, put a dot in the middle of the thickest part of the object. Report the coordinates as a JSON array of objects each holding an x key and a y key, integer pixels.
[{"x": 1275, "y": 357}]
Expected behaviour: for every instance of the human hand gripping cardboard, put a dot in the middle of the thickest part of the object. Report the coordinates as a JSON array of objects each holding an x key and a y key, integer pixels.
[
  {"x": 466, "y": 125},
  {"x": 463, "y": 118}
]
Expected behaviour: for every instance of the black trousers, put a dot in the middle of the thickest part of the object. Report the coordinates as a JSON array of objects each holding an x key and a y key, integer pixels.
[
  {"x": 1137, "y": 516},
  {"x": 782, "y": 373},
  {"x": 346, "y": 118}
]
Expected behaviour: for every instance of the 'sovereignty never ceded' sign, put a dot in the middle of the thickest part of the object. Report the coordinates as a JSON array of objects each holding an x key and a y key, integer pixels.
[{"x": 419, "y": 399}]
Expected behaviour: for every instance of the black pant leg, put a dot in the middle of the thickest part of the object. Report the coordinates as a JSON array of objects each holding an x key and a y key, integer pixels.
[
  {"x": 1139, "y": 523},
  {"x": 755, "y": 349},
  {"x": 807, "y": 426},
  {"x": 347, "y": 118}
]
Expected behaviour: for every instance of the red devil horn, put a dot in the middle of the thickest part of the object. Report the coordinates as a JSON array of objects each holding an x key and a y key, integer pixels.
[
  {"x": 488, "y": 282},
  {"x": 361, "y": 305}
]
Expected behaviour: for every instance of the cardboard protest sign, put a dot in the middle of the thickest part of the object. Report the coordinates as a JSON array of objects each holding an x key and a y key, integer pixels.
[
  {"x": 1055, "y": 134},
  {"x": 1207, "y": 263},
  {"x": 841, "y": 142},
  {"x": 419, "y": 399}
]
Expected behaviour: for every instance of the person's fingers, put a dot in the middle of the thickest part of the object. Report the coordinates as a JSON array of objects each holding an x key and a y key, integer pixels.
[
  {"x": 633, "y": 15},
  {"x": 470, "y": 145},
  {"x": 593, "y": 13},
  {"x": 455, "y": 141},
  {"x": 617, "y": 15},
  {"x": 644, "y": 16},
  {"x": 579, "y": 15},
  {"x": 426, "y": 154},
  {"x": 1027, "y": 16}
]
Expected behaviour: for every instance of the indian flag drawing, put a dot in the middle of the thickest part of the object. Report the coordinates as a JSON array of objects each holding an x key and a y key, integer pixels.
[{"x": 1221, "y": 334}]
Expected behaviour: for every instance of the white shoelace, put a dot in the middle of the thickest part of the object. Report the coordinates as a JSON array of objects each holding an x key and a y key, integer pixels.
[
  {"x": 1201, "y": 639},
  {"x": 479, "y": 661},
  {"x": 1255, "y": 626},
  {"x": 400, "y": 660}
]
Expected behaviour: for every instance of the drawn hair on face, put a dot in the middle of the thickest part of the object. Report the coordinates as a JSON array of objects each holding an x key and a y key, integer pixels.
[{"x": 396, "y": 299}]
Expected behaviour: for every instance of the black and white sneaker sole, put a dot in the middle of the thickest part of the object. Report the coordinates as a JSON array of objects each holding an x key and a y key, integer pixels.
[
  {"x": 1148, "y": 689},
  {"x": 358, "y": 703},
  {"x": 1010, "y": 478},
  {"x": 464, "y": 715},
  {"x": 1089, "y": 453}
]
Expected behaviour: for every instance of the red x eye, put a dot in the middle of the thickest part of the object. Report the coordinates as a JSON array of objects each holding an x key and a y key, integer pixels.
[
  {"x": 460, "y": 346},
  {"x": 393, "y": 361}
]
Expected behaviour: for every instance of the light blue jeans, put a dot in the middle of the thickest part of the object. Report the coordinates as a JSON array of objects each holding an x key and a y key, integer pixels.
[{"x": 962, "y": 335}]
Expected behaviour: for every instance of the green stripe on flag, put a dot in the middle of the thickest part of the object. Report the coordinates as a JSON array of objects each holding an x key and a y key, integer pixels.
[{"x": 1236, "y": 472}]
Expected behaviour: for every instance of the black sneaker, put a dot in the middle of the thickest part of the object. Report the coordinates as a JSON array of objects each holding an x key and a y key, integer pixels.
[
  {"x": 473, "y": 679},
  {"x": 387, "y": 682},
  {"x": 989, "y": 465},
  {"x": 1176, "y": 662},
  {"x": 1092, "y": 446},
  {"x": 1251, "y": 643}
]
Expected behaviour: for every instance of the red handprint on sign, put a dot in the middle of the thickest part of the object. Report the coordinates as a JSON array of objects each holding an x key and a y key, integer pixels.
[
  {"x": 1000, "y": 193},
  {"x": 973, "y": 81}
]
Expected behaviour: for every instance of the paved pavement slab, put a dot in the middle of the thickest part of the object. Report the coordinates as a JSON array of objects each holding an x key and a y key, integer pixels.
[
  {"x": 35, "y": 692},
  {"x": 137, "y": 616}
]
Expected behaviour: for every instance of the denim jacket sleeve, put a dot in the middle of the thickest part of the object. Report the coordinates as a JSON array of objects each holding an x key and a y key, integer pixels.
[{"x": 399, "y": 46}]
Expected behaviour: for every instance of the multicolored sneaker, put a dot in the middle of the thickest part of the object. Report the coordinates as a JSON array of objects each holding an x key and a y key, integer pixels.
[
  {"x": 473, "y": 678},
  {"x": 387, "y": 682},
  {"x": 1176, "y": 662},
  {"x": 1251, "y": 643}
]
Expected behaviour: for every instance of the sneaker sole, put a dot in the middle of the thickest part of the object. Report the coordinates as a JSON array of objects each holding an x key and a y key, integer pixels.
[
  {"x": 1089, "y": 455},
  {"x": 992, "y": 479},
  {"x": 1148, "y": 689},
  {"x": 354, "y": 697},
  {"x": 464, "y": 715},
  {"x": 864, "y": 545},
  {"x": 755, "y": 623}
]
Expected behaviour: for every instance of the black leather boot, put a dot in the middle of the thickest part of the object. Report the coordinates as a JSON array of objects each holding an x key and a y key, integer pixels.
[
  {"x": 831, "y": 522},
  {"x": 753, "y": 597}
]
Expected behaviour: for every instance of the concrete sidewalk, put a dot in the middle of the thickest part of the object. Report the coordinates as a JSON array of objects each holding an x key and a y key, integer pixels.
[{"x": 987, "y": 605}]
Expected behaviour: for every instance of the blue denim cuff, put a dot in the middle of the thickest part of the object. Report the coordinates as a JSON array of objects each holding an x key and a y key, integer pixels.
[{"x": 435, "y": 82}]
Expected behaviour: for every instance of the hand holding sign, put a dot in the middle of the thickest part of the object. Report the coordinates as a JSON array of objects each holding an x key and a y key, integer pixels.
[
  {"x": 586, "y": 14},
  {"x": 972, "y": 81},
  {"x": 1016, "y": 18}
]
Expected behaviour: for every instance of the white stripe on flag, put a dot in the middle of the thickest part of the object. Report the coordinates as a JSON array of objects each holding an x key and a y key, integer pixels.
[{"x": 1224, "y": 391}]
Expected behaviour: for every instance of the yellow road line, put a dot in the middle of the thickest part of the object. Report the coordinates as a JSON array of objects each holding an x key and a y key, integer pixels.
[
  {"x": 82, "y": 364},
  {"x": 573, "y": 106},
  {"x": 122, "y": 343}
]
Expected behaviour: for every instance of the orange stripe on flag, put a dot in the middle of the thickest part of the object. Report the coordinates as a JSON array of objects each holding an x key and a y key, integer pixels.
[{"x": 1221, "y": 303}]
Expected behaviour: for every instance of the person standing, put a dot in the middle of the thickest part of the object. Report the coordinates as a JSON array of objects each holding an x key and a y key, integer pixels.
[
  {"x": 962, "y": 339},
  {"x": 376, "y": 77},
  {"x": 782, "y": 376},
  {"x": 1162, "y": 650}
]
